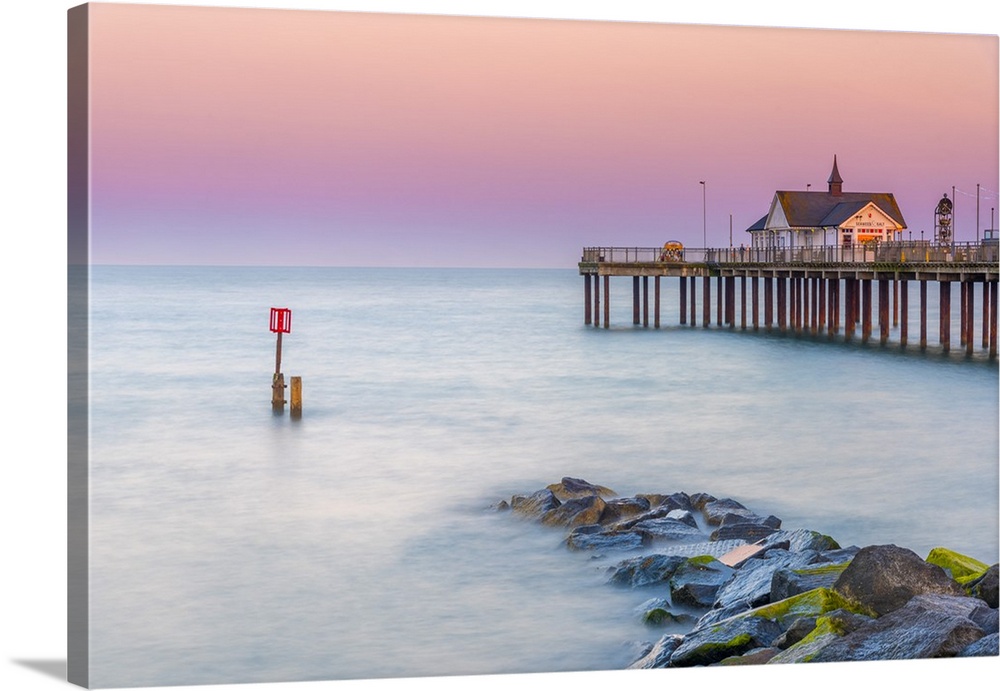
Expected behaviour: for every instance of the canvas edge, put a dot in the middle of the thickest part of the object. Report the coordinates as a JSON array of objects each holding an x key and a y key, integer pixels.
[{"x": 78, "y": 374}]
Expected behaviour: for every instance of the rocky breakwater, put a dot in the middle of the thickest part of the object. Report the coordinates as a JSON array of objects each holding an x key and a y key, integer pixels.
[{"x": 728, "y": 586}]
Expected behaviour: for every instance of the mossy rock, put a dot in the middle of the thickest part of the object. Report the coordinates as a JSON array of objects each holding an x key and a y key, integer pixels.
[
  {"x": 812, "y": 603},
  {"x": 961, "y": 567}
]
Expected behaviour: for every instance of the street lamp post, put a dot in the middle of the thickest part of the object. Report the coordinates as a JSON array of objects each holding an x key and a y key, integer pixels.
[{"x": 704, "y": 226}]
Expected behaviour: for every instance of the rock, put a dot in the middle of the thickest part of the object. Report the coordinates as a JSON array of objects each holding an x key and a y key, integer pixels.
[
  {"x": 574, "y": 512},
  {"x": 715, "y": 511},
  {"x": 984, "y": 647},
  {"x": 752, "y": 582},
  {"x": 698, "y": 500},
  {"x": 659, "y": 654},
  {"x": 758, "y": 656},
  {"x": 928, "y": 625},
  {"x": 535, "y": 504},
  {"x": 799, "y": 629},
  {"x": 792, "y": 580},
  {"x": 574, "y": 488},
  {"x": 608, "y": 542},
  {"x": 828, "y": 628},
  {"x": 698, "y": 549},
  {"x": 960, "y": 567},
  {"x": 811, "y": 604},
  {"x": 684, "y": 516},
  {"x": 697, "y": 581},
  {"x": 647, "y": 570},
  {"x": 669, "y": 529},
  {"x": 883, "y": 578},
  {"x": 751, "y": 532},
  {"x": 985, "y": 587},
  {"x": 657, "y": 612},
  {"x": 620, "y": 509},
  {"x": 799, "y": 540},
  {"x": 734, "y": 636},
  {"x": 717, "y": 614},
  {"x": 500, "y": 506}
]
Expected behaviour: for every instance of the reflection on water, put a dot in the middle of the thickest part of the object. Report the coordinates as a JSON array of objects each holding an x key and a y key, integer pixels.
[{"x": 232, "y": 545}]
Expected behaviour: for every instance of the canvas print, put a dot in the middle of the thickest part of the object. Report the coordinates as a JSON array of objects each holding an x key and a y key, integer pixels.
[{"x": 411, "y": 345}]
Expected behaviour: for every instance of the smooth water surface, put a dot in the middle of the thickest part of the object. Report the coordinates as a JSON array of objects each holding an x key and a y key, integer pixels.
[{"x": 230, "y": 545}]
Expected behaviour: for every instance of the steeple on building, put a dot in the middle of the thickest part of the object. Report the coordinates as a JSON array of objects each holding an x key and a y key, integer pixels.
[{"x": 836, "y": 182}]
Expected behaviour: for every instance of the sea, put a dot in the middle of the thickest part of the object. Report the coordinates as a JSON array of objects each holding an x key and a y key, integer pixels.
[{"x": 232, "y": 544}]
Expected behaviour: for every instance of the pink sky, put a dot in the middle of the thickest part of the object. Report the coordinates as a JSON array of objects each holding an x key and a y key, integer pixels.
[{"x": 250, "y": 136}]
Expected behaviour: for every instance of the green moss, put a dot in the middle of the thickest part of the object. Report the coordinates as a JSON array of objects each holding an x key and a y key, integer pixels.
[
  {"x": 808, "y": 604},
  {"x": 701, "y": 560},
  {"x": 822, "y": 569},
  {"x": 961, "y": 567}
]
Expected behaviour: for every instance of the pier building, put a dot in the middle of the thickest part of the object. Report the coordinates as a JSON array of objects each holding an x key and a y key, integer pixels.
[{"x": 833, "y": 217}]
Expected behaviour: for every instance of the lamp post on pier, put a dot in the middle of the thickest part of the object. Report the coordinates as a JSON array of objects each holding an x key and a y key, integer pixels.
[{"x": 704, "y": 223}]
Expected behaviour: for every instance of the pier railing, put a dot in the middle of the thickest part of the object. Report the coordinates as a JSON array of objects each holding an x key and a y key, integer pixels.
[{"x": 912, "y": 252}]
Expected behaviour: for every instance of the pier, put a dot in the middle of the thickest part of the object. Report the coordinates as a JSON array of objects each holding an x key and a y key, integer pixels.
[{"x": 853, "y": 293}]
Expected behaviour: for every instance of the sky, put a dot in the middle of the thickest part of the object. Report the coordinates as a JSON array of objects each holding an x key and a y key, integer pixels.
[{"x": 256, "y": 136}]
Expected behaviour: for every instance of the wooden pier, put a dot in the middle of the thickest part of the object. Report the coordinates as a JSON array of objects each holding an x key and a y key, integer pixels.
[{"x": 818, "y": 291}]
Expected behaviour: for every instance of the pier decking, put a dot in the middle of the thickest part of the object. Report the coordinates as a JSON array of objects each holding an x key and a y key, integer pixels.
[{"x": 807, "y": 290}]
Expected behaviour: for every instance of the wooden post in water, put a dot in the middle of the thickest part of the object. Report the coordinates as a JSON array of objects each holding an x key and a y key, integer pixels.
[
  {"x": 904, "y": 306},
  {"x": 281, "y": 323},
  {"x": 821, "y": 305},
  {"x": 755, "y": 301},
  {"x": 805, "y": 298},
  {"x": 296, "y": 391},
  {"x": 833, "y": 306},
  {"x": 923, "y": 315},
  {"x": 586, "y": 300}
]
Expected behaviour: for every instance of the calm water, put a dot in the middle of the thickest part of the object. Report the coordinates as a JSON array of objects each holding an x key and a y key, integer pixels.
[{"x": 232, "y": 545}]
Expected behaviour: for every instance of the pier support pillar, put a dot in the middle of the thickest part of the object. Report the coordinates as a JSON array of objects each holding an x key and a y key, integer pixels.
[
  {"x": 635, "y": 300},
  {"x": 963, "y": 311},
  {"x": 586, "y": 300},
  {"x": 895, "y": 303},
  {"x": 683, "y": 299},
  {"x": 850, "y": 307},
  {"x": 706, "y": 301},
  {"x": 755, "y": 301},
  {"x": 821, "y": 284},
  {"x": 768, "y": 302},
  {"x": 883, "y": 310},
  {"x": 833, "y": 307},
  {"x": 904, "y": 306},
  {"x": 694, "y": 313},
  {"x": 944, "y": 310},
  {"x": 993, "y": 318},
  {"x": 986, "y": 314},
  {"x": 645, "y": 301},
  {"x": 970, "y": 320},
  {"x": 597, "y": 301},
  {"x": 656, "y": 301},
  {"x": 923, "y": 315},
  {"x": 607, "y": 302},
  {"x": 805, "y": 297},
  {"x": 866, "y": 310},
  {"x": 718, "y": 301},
  {"x": 743, "y": 302},
  {"x": 782, "y": 304}
]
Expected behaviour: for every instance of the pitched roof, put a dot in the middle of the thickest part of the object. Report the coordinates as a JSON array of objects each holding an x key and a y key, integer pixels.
[{"x": 823, "y": 209}]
